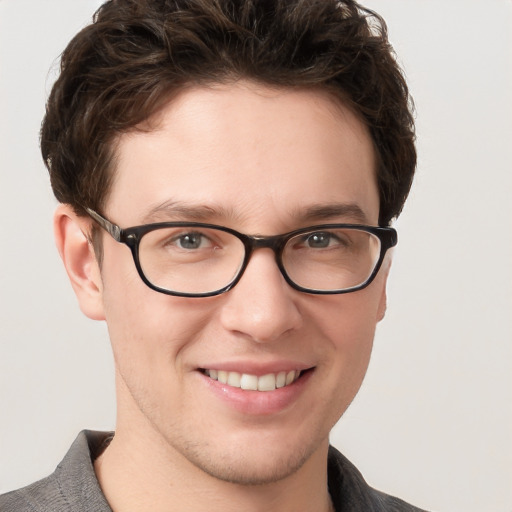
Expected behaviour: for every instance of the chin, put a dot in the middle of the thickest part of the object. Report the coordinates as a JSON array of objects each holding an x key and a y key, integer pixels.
[{"x": 250, "y": 469}]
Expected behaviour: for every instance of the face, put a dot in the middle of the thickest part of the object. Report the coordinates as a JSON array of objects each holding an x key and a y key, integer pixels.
[{"x": 262, "y": 162}]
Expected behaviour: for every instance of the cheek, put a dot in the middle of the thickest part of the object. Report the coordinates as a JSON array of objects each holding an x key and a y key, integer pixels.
[
  {"x": 351, "y": 335},
  {"x": 347, "y": 325},
  {"x": 345, "y": 328},
  {"x": 149, "y": 331},
  {"x": 151, "y": 335},
  {"x": 349, "y": 320}
]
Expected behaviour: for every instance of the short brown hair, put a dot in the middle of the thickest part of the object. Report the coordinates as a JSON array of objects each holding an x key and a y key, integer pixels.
[{"x": 122, "y": 68}]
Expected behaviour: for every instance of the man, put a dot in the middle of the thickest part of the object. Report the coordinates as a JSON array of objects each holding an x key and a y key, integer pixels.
[{"x": 227, "y": 173}]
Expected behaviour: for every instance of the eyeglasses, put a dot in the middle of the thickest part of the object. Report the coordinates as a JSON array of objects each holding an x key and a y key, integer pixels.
[{"x": 191, "y": 259}]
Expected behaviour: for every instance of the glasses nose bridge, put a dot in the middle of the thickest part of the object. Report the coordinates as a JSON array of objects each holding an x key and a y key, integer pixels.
[{"x": 275, "y": 243}]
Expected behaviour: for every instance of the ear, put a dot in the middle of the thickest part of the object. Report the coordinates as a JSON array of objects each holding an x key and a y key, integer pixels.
[
  {"x": 383, "y": 300},
  {"x": 79, "y": 259},
  {"x": 383, "y": 304}
]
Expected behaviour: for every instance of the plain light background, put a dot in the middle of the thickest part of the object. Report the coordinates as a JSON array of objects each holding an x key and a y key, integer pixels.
[{"x": 433, "y": 421}]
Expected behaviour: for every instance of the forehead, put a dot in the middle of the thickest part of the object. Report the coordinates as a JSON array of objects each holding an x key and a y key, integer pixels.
[{"x": 245, "y": 153}]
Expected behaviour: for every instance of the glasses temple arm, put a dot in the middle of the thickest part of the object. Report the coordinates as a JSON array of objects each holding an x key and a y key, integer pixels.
[{"x": 112, "y": 229}]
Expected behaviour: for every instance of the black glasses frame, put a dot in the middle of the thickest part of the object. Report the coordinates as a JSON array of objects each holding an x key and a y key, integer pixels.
[{"x": 132, "y": 236}]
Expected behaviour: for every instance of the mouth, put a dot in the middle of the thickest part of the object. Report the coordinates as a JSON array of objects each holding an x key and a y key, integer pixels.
[{"x": 249, "y": 382}]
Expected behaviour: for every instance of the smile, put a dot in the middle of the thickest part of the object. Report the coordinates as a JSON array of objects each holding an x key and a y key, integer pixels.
[{"x": 268, "y": 382}]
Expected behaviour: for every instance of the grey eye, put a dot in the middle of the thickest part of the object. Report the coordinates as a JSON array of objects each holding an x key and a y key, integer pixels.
[
  {"x": 190, "y": 240},
  {"x": 319, "y": 240}
]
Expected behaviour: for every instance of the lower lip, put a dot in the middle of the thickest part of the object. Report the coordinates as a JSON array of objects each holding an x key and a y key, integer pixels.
[{"x": 259, "y": 403}]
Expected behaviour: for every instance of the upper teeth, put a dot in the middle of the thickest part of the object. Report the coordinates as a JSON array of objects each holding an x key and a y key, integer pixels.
[{"x": 267, "y": 382}]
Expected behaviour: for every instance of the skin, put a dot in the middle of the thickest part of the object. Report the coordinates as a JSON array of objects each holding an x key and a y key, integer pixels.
[{"x": 259, "y": 158}]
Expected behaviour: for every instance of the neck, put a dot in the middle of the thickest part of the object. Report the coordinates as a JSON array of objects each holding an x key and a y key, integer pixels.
[{"x": 142, "y": 472}]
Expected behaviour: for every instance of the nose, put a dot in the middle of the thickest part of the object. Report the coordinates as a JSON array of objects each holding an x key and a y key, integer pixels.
[{"x": 262, "y": 306}]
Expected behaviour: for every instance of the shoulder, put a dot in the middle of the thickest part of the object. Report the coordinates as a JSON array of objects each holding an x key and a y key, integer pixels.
[
  {"x": 349, "y": 490},
  {"x": 73, "y": 486},
  {"x": 41, "y": 496}
]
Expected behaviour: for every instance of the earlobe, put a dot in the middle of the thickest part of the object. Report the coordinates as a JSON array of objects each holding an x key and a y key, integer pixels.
[{"x": 79, "y": 260}]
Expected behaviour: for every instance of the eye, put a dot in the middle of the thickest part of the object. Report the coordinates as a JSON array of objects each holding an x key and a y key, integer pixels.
[
  {"x": 321, "y": 240},
  {"x": 192, "y": 240}
]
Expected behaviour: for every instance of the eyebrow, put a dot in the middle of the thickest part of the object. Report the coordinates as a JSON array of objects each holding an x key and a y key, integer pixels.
[
  {"x": 322, "y": 212},
  {"x": 177, "y": 210}
]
